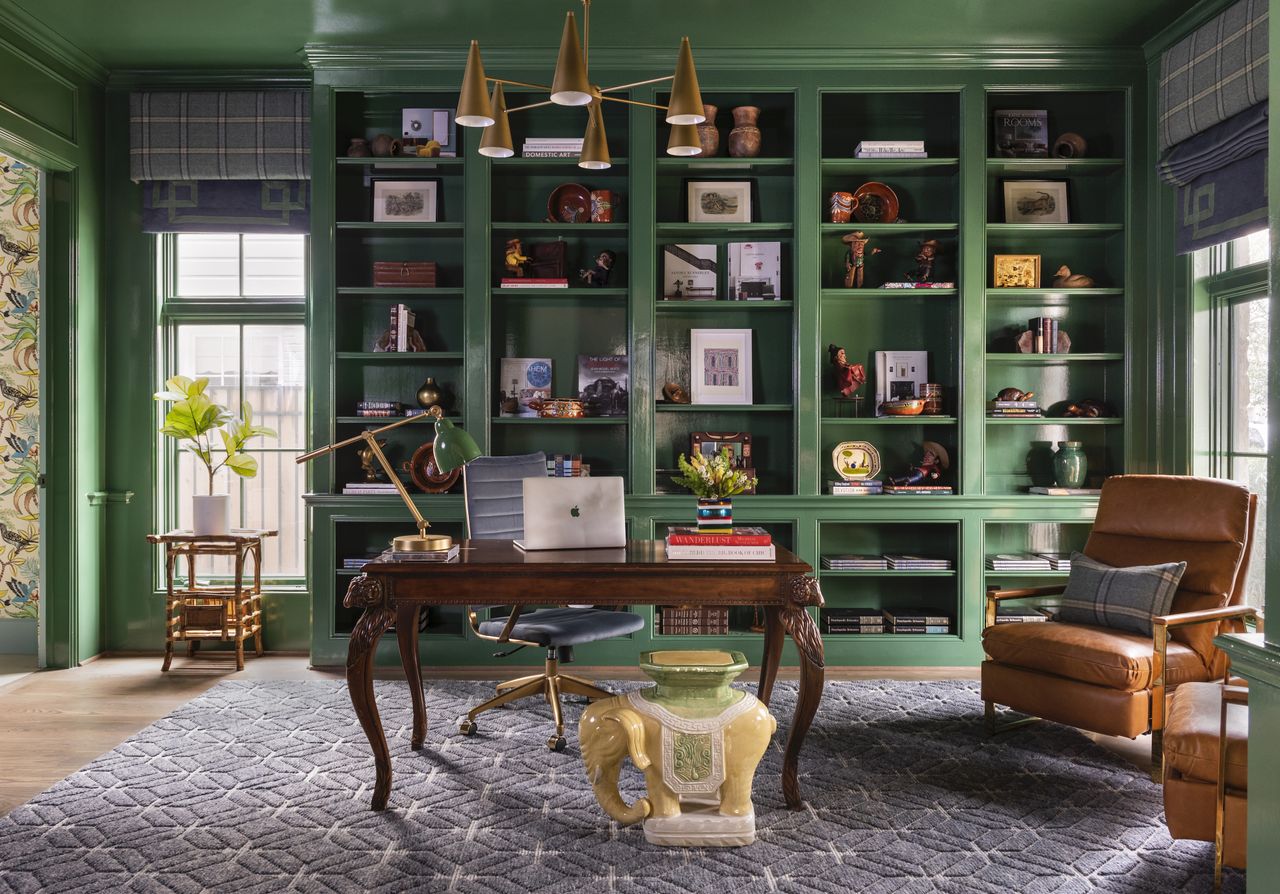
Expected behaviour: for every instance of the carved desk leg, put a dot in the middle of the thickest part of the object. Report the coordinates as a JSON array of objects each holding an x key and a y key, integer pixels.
[
  {"x": 407, "y": 636},
  {"x": 774, "y": 634},
  {"x": 368, "y": 593},
  {"x": 804, "y": 592}
]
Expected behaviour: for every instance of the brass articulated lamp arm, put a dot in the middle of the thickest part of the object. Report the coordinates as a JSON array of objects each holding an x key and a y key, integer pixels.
[{"x": 371, "y": 439}]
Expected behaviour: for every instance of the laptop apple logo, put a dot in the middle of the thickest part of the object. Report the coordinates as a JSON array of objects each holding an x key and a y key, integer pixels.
[{"x": 575, "y": 511}]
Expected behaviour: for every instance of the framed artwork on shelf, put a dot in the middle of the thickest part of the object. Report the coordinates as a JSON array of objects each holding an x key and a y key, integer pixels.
[
  {"x": 719, "y": 201},
  {"x": 1015, "y": 271},
  {"x": 405, "y": 201},
  {"x": 720, "y": 361},
  {"x": 738, "y": 443},
  {"x": 1036, "y": 202}
]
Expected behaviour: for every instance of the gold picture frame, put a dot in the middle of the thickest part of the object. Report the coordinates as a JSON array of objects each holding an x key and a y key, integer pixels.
[{"x": 1016, "y": 272}]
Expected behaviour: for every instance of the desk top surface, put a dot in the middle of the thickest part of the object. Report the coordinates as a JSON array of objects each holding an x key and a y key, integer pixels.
[{"x": 638, "y": 556}]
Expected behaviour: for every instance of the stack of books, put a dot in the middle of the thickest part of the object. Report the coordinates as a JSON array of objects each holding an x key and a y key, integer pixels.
[
  {"x": 855, "y": 563},
  {"x": 1066, "y": 491},
  {"x": 748, "y": 544},
  {"x": 864, "y": 487},
  {"x": 916, "y": 620},
  {"x": 911, "y": 284},
  {"x": 358, "y": 562},
  {"x": 551, "y": 147},
  {"x": 924, "y": 490},
  {"x": 379, "y": 408},
  {"x": 1009, "y": 614},
  {"x": 369, "y": 487},
  {"x": 1013, "y": 409},
  {"x": 566, "y": 465},
  {"x": 533, "y": 282},
  {"x": 853, "y": 620},
  {"x": 906, "y": 562},
  {"x": 1044, "y": 335},
  {"x": 1018, "y": 562},
  {"x": 1057, "y": 561},
  {"x": 703, "y": 620},
  {"x": 403, "y": 328},
  {"x": 890, "y": 149},
  {"x": 434, "y": 555}
]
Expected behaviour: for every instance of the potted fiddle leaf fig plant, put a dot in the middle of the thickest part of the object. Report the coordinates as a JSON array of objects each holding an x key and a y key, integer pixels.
[
  {"x": 192, "y": 420},
  {"x": 715, "y": 482}
]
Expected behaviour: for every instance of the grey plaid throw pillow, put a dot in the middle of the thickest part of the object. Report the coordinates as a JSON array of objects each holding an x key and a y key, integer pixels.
[{"x": 1121, "y": 598}]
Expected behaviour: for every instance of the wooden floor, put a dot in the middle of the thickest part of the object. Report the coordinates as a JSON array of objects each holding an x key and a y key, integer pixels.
[{"x": 55, "y": 722}]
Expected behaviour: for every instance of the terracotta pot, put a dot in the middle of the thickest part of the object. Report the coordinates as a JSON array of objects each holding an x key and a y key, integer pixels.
[
  {"x": 359, "y": 148},
  {"x": 744, "y": 139},
  {"x": 384, "y": 146},
  {"x": 708, "y": 133},
  {"x": 1070, "y": 145}
]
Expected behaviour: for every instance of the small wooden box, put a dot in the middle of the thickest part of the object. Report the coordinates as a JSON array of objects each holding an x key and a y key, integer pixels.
[{"x": 404, "y": 273}]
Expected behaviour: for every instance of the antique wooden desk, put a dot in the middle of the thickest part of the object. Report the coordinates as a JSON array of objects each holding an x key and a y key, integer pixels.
[{"x": 490, "y": 572}]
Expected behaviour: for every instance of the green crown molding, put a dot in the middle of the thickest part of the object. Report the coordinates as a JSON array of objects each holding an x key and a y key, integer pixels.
[
  {"x": 230, "y": 78},
  {"x": 1183, "y": 25},
  {"x": 322, "y": 57},
  {"x": 51, "y": 43}
]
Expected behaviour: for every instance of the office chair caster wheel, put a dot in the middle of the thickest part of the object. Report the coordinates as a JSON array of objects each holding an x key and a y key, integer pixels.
[
  {"x": 557, "y": 743},
  {"x": 466, "y": 727}
]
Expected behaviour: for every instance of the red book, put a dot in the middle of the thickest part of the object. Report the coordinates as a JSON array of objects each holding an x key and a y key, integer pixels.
[{"x": 746, "y": 536}]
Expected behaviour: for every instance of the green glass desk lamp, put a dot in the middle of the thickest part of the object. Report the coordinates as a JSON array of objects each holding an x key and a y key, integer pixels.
[{"x": 451, "y": 449}]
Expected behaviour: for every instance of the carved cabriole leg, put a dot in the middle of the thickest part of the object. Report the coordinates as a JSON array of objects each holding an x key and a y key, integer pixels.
[
  {"x": 804, "y": 633},
  {"x": 771, "y": 655},
  {"x": 407, "y": 634},
  {"x": 367, "y": 592}
]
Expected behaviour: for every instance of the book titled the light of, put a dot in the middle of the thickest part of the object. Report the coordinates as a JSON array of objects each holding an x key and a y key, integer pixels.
[
  {"x": 603, "y": 383},
  {"x": 522, "y": 381},
  {"x": 900, "y": 375},
  {"x": 689, "y": 272},
  {"x": 755, "y": 271}
]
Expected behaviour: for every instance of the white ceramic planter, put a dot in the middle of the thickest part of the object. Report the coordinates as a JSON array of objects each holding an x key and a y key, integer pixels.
[{"x": 210, "y": 514}]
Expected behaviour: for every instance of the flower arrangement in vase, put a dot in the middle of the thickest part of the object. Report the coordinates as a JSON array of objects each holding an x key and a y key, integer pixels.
[
  {"x": 193, "y": 418},
  {"x": 715, "y": 482}
]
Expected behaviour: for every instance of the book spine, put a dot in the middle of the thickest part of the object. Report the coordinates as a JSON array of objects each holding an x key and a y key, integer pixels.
[
  {"x": 719, "y": 540},
  {"x": 537, "y": 153},
  {"x": 720, "y": 552}
]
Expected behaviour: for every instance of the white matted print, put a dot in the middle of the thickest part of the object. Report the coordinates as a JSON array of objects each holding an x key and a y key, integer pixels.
[
  {"x": 719, "y": 201},
  {"x": 720, "y": 366},
  {"x": 405, "y": 201},
  {"x": 1036, "y": 201}
]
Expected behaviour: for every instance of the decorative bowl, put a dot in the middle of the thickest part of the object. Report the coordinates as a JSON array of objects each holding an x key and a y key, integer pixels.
[
  {"x": 561, "y": 408},
  {"x": 913, "y": 407},
  {"x": 569, "y": 203},
  {"x": 875, "y": 202}
]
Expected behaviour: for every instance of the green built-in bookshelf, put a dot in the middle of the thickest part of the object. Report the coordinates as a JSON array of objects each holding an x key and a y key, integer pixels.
[{"x": 810, "y": 122}]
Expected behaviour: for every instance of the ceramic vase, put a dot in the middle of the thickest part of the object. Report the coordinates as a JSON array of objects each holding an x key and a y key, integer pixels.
[
  {"x": 715, "y": 516},
  {"x": 1070, "y": 466},
  {"x": 429, "y": 394},
  {"x": 698, "y": 740},
  {"x": 1070, "y": 145},
  {"x": 210, "y": 514},
  {"x": 384, "y": 145},
  {"x": 358, "y": 148},
  {"x": 841, "y": 207},
  {"x": 744, "y": 139},
  {"x": 602, "y": 206},
  {"x": 708, "y": 134}
]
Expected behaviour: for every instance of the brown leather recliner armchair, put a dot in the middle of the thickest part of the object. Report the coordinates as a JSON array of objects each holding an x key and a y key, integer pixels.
[{"x": 1109, "y": 681}]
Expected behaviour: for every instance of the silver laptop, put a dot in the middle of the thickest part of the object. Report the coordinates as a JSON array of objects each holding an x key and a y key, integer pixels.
[{"x": 573, "y": 513}]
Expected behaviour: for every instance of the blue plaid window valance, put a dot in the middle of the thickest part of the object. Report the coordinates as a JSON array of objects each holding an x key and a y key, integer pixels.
[
  {"x": 211, "y": 135},
  {"x": 226, "y": 206},
  {"x": 1212, "y": 126}
]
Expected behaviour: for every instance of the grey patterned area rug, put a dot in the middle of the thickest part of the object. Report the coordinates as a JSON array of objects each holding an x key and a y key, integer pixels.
[{"x": 264, "y": 787}]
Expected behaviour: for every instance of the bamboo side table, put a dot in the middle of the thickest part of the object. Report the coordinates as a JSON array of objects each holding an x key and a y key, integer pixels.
[{"x": 197, "y": 612}]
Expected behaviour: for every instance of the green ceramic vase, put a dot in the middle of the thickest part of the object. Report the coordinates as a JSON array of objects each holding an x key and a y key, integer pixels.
[{"x": 1070, "y": 466}]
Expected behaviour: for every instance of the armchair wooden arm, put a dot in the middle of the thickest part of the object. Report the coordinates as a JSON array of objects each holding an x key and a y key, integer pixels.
[{"x": 995, "y": 596}]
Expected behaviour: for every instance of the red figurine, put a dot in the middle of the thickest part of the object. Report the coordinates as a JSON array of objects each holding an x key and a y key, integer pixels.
[
  {"x": 849, "y": 376},
  {"x": 935, "y": 462}
]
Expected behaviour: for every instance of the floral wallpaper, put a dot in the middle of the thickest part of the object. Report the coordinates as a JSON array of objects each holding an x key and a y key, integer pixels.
[{"x": 19, "y": 390}]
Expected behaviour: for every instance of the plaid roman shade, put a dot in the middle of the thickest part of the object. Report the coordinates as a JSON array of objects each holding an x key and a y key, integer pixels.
[
  {"x": 209, "y": 135},
  {"x": 1120, "y": 598}
]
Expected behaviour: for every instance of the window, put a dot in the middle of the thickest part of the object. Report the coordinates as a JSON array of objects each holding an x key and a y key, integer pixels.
[
  {"x": 233, "y": 312},
  {"x": 1232, "y": 334}
]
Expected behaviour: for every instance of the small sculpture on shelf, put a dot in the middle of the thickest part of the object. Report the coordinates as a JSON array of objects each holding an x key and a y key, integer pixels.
[
  {"x": 855, "y": 259},
  {"x": 1014, "y": 394},
  {"x": 1065, "y": 279},
  {"x": 674, "y": 393},
  {"x": 429, "y": 149},
  {"x": 929, "y": 470},
  {"x": 849, "y": 377},
  {"x": 1087, "y": 408},
  {"x": 369, "y": 462},
  {"x": 925, "y": 256},
  {"x": 515, "y": 260},
  {"x": 598, "y": 276},
  {"x": 1070, "y": 145}
]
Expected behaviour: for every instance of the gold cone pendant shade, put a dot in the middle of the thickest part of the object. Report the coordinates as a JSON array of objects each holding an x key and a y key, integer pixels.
[
  {"x": 684, "y": 140},
  {"x": 685, "y": 106},
  {"x": 570, "y": 86},
  {"x": 496, "y": 141},
  {"x": 473, "y": 101},
  {"x": 595, "y": 144}
]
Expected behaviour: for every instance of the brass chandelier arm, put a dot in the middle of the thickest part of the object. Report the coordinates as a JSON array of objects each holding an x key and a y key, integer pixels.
[
  {"x": 532, "y": 105},
  {"x": 637, "y": 84},
  {"x": 517, "y": 83},
  {"x": 633, "y": 102},
  {"x": 586, "y": 35}
]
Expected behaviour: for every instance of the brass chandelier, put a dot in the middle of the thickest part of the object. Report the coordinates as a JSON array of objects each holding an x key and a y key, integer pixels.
[{"x": 571, "y": 86}]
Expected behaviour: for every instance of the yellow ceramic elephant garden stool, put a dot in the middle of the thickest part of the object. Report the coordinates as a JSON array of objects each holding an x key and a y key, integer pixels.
[{"x": 697, "y": 740}]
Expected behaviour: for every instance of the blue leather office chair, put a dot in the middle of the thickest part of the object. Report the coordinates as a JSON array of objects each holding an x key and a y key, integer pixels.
[{"x": 494, "y": 488}]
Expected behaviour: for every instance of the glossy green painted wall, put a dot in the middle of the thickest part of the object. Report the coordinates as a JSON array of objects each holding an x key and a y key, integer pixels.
[{"x": 51, "y": 115}]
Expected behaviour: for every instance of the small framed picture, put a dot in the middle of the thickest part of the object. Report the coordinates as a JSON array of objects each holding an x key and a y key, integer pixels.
[
  {"x": 720, "y": 361},
  {"x": 405, "y": 201},
  {"x": 719, "y": 201},
  {"x": 1036, "y": 202},
  {"x": 1016, "y": 272}
]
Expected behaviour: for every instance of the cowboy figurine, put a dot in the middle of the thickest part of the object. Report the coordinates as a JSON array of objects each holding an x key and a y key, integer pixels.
[
  {"x": 924, "y": 261},
  {"x": 515, "y": 260},
  {"x": 930, "y": 469},
  {"x": 855, "y": 259}
]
